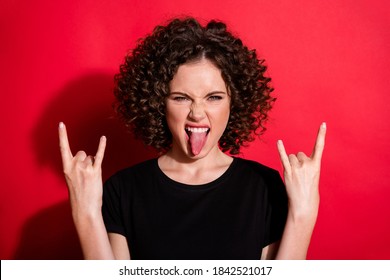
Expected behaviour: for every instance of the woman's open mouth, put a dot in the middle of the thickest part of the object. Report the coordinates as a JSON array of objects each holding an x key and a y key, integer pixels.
[{"x": 197, "y": 137}]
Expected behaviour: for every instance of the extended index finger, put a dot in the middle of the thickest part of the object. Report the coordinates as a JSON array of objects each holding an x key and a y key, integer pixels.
[
  {"x": 66, "y": 153},
  {"x": 320, "y": 143}
]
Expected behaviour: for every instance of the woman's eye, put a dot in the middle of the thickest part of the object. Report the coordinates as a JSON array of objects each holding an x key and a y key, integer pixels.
[
  {"x": 180, "y": 98},
  {"x": 215, "y": 97}
]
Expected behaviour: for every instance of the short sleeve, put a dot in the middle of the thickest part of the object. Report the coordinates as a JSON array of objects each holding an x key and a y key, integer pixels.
[
  {"x": 111, "y": 209},
  {"x": 277, "y": 207}
]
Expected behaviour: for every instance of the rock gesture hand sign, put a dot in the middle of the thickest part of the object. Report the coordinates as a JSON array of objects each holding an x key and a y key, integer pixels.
[
  {"x": 301, "y": 176},
  {"x": 83, "y": 174}
]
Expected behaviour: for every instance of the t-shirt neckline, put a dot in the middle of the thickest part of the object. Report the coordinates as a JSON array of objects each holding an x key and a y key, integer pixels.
[{"x": 169, "y": 181}]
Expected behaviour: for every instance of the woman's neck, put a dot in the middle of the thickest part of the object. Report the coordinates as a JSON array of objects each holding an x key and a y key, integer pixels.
[{"x": 194, "y": 171}]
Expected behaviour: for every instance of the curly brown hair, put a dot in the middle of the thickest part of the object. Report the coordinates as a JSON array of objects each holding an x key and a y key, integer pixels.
[{"x": 142, "y": 85}]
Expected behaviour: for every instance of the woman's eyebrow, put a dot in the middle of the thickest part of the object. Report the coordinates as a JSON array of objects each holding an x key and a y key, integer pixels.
[
  {"x": 180, "y": 93},
  {"x": 208, "y": 94},
  {"x": 216, "y": 92}
]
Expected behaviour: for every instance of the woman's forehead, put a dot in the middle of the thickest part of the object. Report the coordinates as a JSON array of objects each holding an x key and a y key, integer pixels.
[{"x": 200, "y": 75}]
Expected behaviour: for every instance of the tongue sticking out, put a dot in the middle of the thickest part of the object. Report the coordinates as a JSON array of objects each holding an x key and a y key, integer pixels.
[{"x": 197, "y": 141}]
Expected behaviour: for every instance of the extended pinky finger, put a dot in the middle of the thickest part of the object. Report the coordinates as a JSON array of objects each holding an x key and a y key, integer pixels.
[
  {"x": 100, "y": 152},
  {"x": 283, "y": 156}
]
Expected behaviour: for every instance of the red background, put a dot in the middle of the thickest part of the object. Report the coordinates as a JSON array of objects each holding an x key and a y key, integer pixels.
[{"x": 329, "y": 61}]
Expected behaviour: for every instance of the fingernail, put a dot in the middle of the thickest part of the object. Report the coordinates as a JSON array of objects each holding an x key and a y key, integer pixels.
[
  {"x": 323, "y": 125},
  {"x": 61, "y": 125}
]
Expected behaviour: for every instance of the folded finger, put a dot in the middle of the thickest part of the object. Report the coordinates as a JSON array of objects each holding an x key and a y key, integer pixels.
[
  {"x": 301, "y": 157},
  {"x": 80, "y": 156},
  {"x": 89, "y": 160},
  {"x": 294, "y": 160}
]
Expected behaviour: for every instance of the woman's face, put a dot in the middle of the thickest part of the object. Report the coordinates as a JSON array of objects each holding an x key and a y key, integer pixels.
[{"x": 197, "y": 109}]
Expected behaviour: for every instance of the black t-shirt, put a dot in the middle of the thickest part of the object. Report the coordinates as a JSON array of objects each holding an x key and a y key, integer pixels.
[{"x": 233, "y": 217}]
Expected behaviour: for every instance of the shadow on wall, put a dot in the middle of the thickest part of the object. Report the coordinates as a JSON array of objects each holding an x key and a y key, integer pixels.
[
  {"x": 85, "y": 106},
  {"x": 50, "y": 235}
]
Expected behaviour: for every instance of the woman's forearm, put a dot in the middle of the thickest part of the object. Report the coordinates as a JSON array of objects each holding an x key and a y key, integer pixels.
[
  {"x": 93, "y": 238},
  {"x": 296, "y": 237}
]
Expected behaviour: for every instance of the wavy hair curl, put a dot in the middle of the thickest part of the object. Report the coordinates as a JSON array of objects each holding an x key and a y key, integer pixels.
[{"x": 142, "y": 85}]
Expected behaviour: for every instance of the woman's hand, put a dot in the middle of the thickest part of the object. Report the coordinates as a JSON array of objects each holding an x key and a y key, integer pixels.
[
  {"x": 301, "y": 176},
  {"x": 83, "y": 176}
]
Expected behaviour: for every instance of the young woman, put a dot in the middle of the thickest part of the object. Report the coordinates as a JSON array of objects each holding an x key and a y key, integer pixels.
[{"x": 196, "y": 94}]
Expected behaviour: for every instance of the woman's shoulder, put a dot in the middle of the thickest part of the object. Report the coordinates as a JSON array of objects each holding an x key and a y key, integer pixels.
[
  {"x": 254, "y": 169},
  {"x": 255, "y": 166},
  {"x": 142, "y": 169},
  {"x": 272, "y": 181}
]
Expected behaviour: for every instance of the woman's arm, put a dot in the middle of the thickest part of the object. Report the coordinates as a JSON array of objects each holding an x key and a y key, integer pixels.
[
  {"x": 93, "y": 238},
  {"x": 83, "y": 176},
  {"x": 119, "y": 246},
  {"x": 269, "y": 252},
  {"x": 301, "y": 176},
  {"x": 296, "y": 238}
]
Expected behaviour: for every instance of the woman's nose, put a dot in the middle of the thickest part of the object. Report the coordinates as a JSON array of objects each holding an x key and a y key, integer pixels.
[{"x": 197, "y": 112}]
